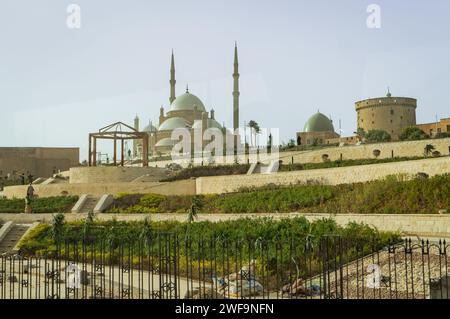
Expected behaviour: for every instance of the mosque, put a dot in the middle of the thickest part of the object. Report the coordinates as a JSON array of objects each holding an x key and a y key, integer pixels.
[{"x": 185, "y": 111}]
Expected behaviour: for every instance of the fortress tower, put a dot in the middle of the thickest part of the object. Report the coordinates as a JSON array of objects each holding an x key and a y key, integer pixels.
[{"x": 390, "y": 114}]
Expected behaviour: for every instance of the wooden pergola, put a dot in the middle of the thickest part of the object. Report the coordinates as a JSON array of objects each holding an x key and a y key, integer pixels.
[{"x": 117, "y": 132}]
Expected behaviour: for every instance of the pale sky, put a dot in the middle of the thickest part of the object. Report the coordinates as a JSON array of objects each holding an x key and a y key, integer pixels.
[{"x": 58, "y": 84}]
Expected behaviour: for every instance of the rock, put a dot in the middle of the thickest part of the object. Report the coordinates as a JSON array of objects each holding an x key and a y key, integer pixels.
[
  {"x": 297, "y": 287},
  {"x": 243, "y": 288},
  {"x": 422, "y": 175}
]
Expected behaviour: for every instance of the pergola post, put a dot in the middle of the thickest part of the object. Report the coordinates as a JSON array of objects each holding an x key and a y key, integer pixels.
[
  {"x": 115, "y": 151},
  {"x": 145, "y": 150},
  {"x": 121, "y": 153},
  {"x": 90, "y": 151},
  {"x": 94, "y": 153}
]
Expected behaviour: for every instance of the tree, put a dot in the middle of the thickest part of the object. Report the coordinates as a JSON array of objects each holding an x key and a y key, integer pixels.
[
  {"x": 196, "y": 206},
  {"x": 57, "y": 227},
  {"x": 361, "y": 133},
  {"x": 413, "y": 133},
  {"x": 428, "y": 149},
  {"x": 146, "y": 232},
  {"x": 376, "y": 153},
  {"x": 291, "y": 143},
  {"x": 269, "y": 143},
  {"x": 88, "y": 222},
  {"x": 325, "y": 158},
  {"x": 377, "y": 136},
  {"x": 254, "y": 130}
]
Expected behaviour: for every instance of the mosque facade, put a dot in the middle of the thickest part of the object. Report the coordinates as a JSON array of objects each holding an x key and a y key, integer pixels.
[{"x": 186, "y": 111}]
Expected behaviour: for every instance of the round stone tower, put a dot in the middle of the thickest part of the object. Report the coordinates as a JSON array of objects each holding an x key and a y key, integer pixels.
[{"x": 390, "y": 114}]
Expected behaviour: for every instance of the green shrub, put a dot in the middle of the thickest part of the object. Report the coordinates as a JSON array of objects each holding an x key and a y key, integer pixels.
[
  {"x": 392, "y": 195},
  {"x": 377, "y": 136},
  {"x": 151, "y": 200},
  {"x": 39, "y": 205},
  {"x": 286, "y": 199},
  {"x": 241, "y": 229},
  {"x": 216, "y": 170},
  {"x": 413, "y": 133}
]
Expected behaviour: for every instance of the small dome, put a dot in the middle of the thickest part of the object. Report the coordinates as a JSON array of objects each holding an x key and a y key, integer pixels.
[
  {"x": 165, "y": 142},
  {"x": 149, "y": 128},
  {"x": 210, "y": 123},
  {"x": 173, "y": 123},
  {"x": 187, "y": 102},
  {"x": 318, "y": 123}
]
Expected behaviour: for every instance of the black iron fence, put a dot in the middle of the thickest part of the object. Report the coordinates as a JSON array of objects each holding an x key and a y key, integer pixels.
[{"x": 168, "y": 267}]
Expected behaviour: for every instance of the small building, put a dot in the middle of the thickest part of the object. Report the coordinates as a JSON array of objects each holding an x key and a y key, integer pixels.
[
  {"x": 318, "y": 130},
  {"x": 433, "y": 129},
  {"x": 36, "y": 161}
]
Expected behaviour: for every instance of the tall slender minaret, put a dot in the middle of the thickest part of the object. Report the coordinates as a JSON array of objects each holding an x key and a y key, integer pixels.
[
  {"x": 172, "y": 79},
  {"x": 236, "y": 90}
]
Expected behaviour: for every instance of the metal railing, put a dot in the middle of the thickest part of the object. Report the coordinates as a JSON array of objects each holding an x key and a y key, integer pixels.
[{"x": 168, "y": 267}]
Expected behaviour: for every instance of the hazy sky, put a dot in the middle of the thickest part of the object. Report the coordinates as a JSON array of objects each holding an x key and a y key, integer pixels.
[{"x": 57, "y": 84}]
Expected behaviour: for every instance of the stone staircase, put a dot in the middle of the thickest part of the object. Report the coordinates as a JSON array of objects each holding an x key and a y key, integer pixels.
[
  {"x": 89, "y": 204},
  {"x": 12, "y": 237}
]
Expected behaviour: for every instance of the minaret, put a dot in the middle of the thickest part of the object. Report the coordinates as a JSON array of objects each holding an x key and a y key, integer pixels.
[
  {"x": 136, "y": 123},
  {"x": 236, "y": 90},
  {"x": 172, "y": 79}
]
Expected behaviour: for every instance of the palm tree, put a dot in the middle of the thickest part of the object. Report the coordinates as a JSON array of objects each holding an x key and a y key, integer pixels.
[
  {"x": 254, "y": 129},
  {"x": 429, "y": 148}
]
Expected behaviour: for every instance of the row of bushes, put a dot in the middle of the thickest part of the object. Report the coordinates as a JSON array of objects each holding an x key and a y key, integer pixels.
[
  {"x": 261, "y": 200},
  {"x": 39, "y": 205},
  {"x": 344, "y": 163},
  {"x": 393, "y": 195},
  {"x": 42, "y": 238},
  {"x": 236, "y": 169},
  {"x": 210, "y": 170}
]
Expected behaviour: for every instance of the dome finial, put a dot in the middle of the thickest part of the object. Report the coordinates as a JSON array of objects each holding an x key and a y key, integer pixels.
[
  {"x": 187, "y": 88},
  {"x": 389, "y": 92}
]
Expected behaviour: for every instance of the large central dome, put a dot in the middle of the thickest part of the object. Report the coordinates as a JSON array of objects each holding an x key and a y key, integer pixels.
[
  {"x": 187, "y": 102},
  {"x": 318, "y": 123},
  {"x": 173, "y": 123}
]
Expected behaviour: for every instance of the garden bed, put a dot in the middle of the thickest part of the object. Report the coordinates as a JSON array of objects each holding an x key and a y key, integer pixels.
[
  {"x": 59, "y": 204},
  {"x": 392, "y": 195}
]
